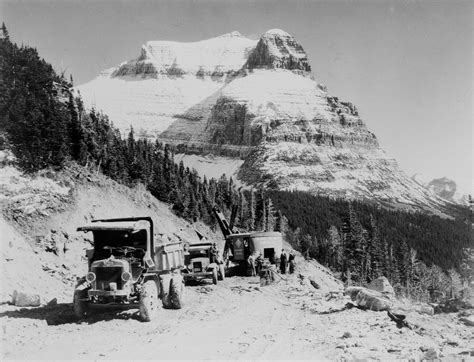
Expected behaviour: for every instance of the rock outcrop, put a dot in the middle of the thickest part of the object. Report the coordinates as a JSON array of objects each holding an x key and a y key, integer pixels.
[{"x": 278, "y": 49}]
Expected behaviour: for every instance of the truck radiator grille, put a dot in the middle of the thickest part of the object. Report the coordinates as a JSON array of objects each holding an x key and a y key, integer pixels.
[{"x": 106, "y": 275}]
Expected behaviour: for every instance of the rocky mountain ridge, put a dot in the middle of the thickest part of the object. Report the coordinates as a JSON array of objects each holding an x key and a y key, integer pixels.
[{"x": 257, "y": 101}]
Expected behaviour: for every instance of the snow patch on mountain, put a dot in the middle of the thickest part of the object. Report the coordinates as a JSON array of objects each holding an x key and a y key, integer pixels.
[
  {"x": 210, "y": 165},
  {"x": 149, "y": 104},
  {"x": 279, "y": 94},
  {"x": 213, "y": 56}
]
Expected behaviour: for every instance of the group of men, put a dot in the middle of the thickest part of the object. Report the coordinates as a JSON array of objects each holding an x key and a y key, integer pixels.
[{"x": 285, "y": 264}]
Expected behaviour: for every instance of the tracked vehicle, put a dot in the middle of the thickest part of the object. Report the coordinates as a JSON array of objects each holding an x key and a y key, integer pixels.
[{"x": 128, "y": 268}]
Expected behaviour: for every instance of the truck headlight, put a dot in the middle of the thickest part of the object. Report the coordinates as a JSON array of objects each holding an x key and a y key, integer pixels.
[
  {"x": 90, "y": 277},
  {"x": 126, "y": 276}
]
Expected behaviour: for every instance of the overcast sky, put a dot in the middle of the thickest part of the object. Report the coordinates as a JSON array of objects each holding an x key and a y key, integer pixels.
[{"x": 406, "y": 65}]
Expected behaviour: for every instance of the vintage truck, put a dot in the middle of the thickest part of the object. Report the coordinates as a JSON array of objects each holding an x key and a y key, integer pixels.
[
  {"x": 128, "y": 268},
  {"x": 202, "y": 263}
]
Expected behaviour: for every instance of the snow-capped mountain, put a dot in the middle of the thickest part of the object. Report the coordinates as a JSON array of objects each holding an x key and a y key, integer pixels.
[
  {"x": 445, "y": 188},
  {"x": 235, "y": 98}
]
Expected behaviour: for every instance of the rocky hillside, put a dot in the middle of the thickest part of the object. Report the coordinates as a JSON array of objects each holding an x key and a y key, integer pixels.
[
  {"x": 42, "y": 252},
  {"x": 256, "y": 101}
]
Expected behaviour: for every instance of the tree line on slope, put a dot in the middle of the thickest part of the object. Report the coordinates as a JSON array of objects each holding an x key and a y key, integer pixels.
[
  {"x": 422, "y": 256},
  {"x": 46, "y": 125}
]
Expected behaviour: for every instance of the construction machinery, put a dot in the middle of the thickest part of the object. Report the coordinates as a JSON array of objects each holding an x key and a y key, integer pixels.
[{"x": 239, "y": 246}]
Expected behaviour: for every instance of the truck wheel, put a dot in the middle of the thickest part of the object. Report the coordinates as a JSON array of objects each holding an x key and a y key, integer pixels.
[
  {"x": 214, "y": 276},
  {"x": 148, "y": 302},
  {"x": 165, "y": 281},
  {"x": 221, "y": 272},
  {"x": 80, "y": 306},
  {"x": 176, "y": 292}
]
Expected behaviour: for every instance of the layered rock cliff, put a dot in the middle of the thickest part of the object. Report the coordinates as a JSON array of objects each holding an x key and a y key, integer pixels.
[
  {"x": 278, "y": 49},
  {"x": 259, "y": 102}
]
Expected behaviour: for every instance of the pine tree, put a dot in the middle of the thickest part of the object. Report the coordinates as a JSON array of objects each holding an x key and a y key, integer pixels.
[
  {"x": 271, "y": 219},
  {"x": 456, "y": 285},
  {"x": 5, "y": 35},
  {"x": 251, "y": 212},
  {"x": 335, "y": 248},
  {"x": 306, "y": 243}
]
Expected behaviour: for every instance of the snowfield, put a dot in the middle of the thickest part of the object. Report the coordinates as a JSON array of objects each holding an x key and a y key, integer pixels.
[
  {"x": 211, "y": 166},
  {"x": 149, "y": 105},
  {"x": 224, "y": 53},
  {"x": 279, "y": 94}
]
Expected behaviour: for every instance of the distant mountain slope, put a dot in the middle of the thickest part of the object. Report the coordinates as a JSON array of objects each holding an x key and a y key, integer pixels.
[
  {"x": 259, "y": 102},
  {"x": 445, "y": 188}
]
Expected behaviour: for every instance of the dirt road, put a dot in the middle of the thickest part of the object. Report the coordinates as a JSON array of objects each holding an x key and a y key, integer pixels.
[{"x": 235, "y": 319}]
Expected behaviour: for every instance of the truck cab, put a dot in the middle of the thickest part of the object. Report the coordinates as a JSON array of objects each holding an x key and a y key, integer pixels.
[
  {"x": 201, "y": 262},
  {"x": 127, "y": 268}
]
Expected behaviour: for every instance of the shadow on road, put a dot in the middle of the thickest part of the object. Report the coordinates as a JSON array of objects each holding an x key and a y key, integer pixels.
[{"x": 63, "y": 313}]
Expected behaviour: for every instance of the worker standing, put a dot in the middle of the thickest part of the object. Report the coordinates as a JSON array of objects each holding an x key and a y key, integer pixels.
[
  {"x": 283, "y": 261},
  {"x": 291, "y": 261},
  {"x": 251, "y": 265},
  {"x": 259, "y": 262},
  {"x": 214, "y": 253}
]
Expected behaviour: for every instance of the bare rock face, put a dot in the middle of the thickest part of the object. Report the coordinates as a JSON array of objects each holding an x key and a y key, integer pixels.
[{"x": 278, "y": 49}]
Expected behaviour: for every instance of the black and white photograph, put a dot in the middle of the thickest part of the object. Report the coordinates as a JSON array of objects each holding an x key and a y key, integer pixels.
[{"x": 236, "y": 180}]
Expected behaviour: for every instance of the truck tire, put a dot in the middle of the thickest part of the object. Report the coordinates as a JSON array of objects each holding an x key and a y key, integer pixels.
[
  {"x": 221, "y": 272},
  {"x": 165, "y": 281},
  {"x": 214, "y": 276},
  {"x": 176, "y": 295},
  {"x": 80, "y": 306},
  {"x": 148, "y": 303}
]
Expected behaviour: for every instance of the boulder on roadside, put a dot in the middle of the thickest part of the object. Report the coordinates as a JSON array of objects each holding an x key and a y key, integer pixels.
[
  {"x": 430, "y": 354},
  {"x": 24, "y": 299},
  {"x": 369, "y": 299},
  {"x": 425, "y": 309},
  {"x": 383, "y": 286}
]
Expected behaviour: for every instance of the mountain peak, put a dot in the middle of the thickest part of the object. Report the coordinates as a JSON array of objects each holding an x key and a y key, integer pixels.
[
  {"x": 232, "y": 34},
  {"x": 216, "y": 57},
  {"x": 277, "y": 32},
  {"x": 278, "y": 49}
]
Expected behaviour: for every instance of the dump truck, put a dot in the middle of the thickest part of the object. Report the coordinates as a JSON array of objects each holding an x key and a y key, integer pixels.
[
  {"x": 129, "y": 268},
  {"x": 238, "y": 246},
  {"x": 202, "y": 263}
]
